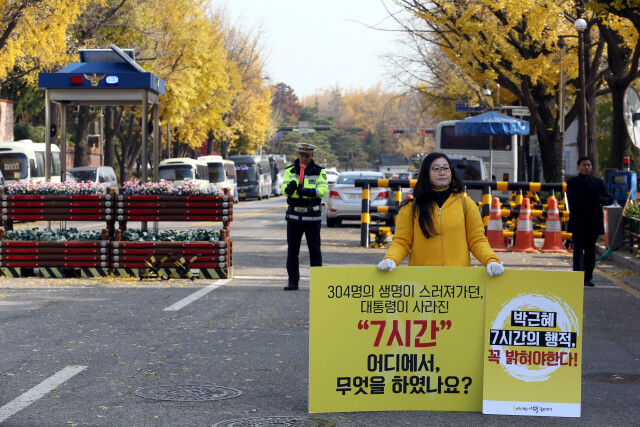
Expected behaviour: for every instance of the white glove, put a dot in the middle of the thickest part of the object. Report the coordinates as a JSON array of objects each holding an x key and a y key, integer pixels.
[
  {"x": 495, "y": 269},
  {"x": 387, "y": 264}
]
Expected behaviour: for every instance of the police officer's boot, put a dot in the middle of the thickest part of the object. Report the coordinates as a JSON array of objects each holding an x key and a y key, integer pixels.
[{"x": 291, "y": 287}]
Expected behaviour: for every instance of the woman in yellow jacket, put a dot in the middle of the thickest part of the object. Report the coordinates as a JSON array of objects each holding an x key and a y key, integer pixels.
[{"x": 439, "y": 226}]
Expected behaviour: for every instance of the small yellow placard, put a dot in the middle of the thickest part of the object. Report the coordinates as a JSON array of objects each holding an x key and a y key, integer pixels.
[{"x": 533, "y": 343}]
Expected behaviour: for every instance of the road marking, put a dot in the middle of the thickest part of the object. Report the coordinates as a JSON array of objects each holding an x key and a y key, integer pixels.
[
  {"x": 194, "y": 296},
  {"x": 302, "y": 278},
  {"x": 38, "y": 391},
  {"x": 247, "y": 215},
  {"x": 621, "y": 284},
  {"x": 237, "y": 217}
]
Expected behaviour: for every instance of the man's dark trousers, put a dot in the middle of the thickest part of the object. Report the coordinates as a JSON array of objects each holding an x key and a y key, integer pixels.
[
  {"x": 295, "y": 230},
  {"x": 584, "y": 254}
]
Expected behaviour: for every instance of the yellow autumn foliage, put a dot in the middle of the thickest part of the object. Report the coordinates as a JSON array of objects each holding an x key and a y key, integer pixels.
[
  {"x": 516, "y": 38},
  {"x": 187, "y": 43},
  {"x": 35, "y": 35}
]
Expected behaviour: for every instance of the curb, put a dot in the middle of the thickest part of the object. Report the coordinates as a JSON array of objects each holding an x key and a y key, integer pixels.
[{"x": 622, "y": 259}]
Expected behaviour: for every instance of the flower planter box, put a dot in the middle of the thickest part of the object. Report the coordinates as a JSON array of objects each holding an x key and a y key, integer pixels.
[
  {"x": 53, "y": 258},
  {"x": 49, "y": 207},
  {"x": 174, "y": 208},
  {"x": 172, "y": 259}
]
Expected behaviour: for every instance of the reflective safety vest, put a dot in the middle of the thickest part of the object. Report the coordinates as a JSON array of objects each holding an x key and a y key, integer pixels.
[{"x": 305, "y": 208}]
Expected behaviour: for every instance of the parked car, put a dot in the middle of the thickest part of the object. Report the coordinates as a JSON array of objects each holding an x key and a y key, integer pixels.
[
  {"x": 332, "y": 176},
  {"x": 104, "y": 175},
  {"x": 69, "y": 177},
  {"x": 470, "y": 168},
  {"x": 407, "y": 175},
  {"x": 345, "y": 199},
  {"x": 407, "y": 191}
]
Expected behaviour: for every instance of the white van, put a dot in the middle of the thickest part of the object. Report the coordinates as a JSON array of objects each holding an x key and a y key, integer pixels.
[
  {"x": 24, "y": 160},
  {"x": 222, "y": 172},
  {"x": 181, "y": 170},
  {"x": 104, "y": 175}
]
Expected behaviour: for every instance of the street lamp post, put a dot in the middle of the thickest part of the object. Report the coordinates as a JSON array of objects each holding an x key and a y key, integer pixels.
[
  {"x": 581, "y": 25},
  {"x": 562, "y": 45}
]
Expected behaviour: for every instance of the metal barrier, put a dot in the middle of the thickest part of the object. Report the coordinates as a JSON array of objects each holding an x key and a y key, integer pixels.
[{"x": 485, "y": 205}]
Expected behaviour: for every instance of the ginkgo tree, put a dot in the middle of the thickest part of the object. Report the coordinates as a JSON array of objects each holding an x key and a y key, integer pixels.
[
  {"x": 34, "y": 35},
  {"x": 512, "y": 43},
  {"x": 181, "y": 42},
  {"x": 619, "y": 24},
  {"x": 246, "y": 124}
]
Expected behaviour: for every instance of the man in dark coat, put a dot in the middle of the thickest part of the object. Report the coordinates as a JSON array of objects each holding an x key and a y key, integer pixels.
[{"x": 586, "y": 195}]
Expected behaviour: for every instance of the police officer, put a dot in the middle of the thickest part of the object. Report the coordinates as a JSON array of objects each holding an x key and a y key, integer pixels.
[{"x": 304, "y": 211}]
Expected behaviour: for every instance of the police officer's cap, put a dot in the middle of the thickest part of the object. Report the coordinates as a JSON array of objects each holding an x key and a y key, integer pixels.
[{"x": 304, "y": 148}]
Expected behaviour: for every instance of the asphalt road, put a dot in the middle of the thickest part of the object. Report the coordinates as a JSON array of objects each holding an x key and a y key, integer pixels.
[{"x": 74, "y": 351}]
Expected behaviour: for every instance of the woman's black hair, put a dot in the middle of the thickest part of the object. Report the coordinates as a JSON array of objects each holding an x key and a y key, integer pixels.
[{"x": 424, "y": 196}]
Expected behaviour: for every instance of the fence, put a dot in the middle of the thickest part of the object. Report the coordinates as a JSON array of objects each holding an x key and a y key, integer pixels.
[
  {"x": 632, "y": 234},
  {"x": 539, "y": 210}
]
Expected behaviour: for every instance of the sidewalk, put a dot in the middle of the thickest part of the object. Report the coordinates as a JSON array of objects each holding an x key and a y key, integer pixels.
[
  {"x": 622, "y": 259},
  {"x": 621, "y": 268}
]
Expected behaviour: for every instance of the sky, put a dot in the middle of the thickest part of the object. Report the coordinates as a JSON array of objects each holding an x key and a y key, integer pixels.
[{"x": 318, "y": 44}]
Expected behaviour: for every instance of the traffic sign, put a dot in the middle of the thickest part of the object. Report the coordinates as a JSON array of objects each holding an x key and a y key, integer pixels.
[
  {"x": 520, "y": 111},
  {"x": 464, "y": 108}
]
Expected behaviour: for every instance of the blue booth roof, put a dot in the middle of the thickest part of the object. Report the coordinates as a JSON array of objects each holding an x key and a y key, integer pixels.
[
  {"x": 492, "y": 123},
  {"x": 122, "y": 72}
]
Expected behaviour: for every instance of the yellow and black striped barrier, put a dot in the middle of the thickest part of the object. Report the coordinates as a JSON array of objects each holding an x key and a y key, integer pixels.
[
  {"x": 485, "y": 204},
  {"x": 365, "y": 218}
]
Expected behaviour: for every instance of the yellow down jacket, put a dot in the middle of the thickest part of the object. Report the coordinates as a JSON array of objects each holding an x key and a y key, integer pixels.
[{"x": 459, "y": 231}]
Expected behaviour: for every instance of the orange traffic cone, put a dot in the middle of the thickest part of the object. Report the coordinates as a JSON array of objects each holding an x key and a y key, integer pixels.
[
  {"x": 494, "y": 230},
  {"x": 553, "y": 231},
  {"x": 524, "y": 234}
]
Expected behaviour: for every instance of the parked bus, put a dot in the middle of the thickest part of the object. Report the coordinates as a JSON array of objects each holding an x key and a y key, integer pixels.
[
  {"x": 504, "y": 147},
  {"x": 222, "y": 172},
  {"x": 254, "y": 176},
  {"x": 24, "y": 160},
  {"x": 181, "y": 170},
  {"x": 278, "y": 163}
]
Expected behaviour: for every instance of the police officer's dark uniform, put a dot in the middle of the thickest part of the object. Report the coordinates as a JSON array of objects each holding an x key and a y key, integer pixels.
[{"x": 304, "y": 211}]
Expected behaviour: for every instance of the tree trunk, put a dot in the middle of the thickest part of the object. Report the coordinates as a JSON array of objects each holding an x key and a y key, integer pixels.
[
  {"x": 592, "y": 135},
  {"x": 620, "y": 143},
  {"x": 546, "y": 128},
  {"x": 113, "y": 117},
  {"x": 130, "y": 146},
  {"x": 223, "y": 146},
  {"x": 211, "y": 143},
  {"x": 81, "y": 153}
]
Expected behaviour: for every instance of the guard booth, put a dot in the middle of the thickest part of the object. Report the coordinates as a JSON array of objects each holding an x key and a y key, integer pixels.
[
  {"x": 112, "y": 77},
  {"x": 103, "y": 77}
]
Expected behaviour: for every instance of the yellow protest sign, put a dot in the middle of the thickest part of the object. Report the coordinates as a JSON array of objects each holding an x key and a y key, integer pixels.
[
  {"x": 533, "y": 343},
  {"x": 411, "y": 339}
]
